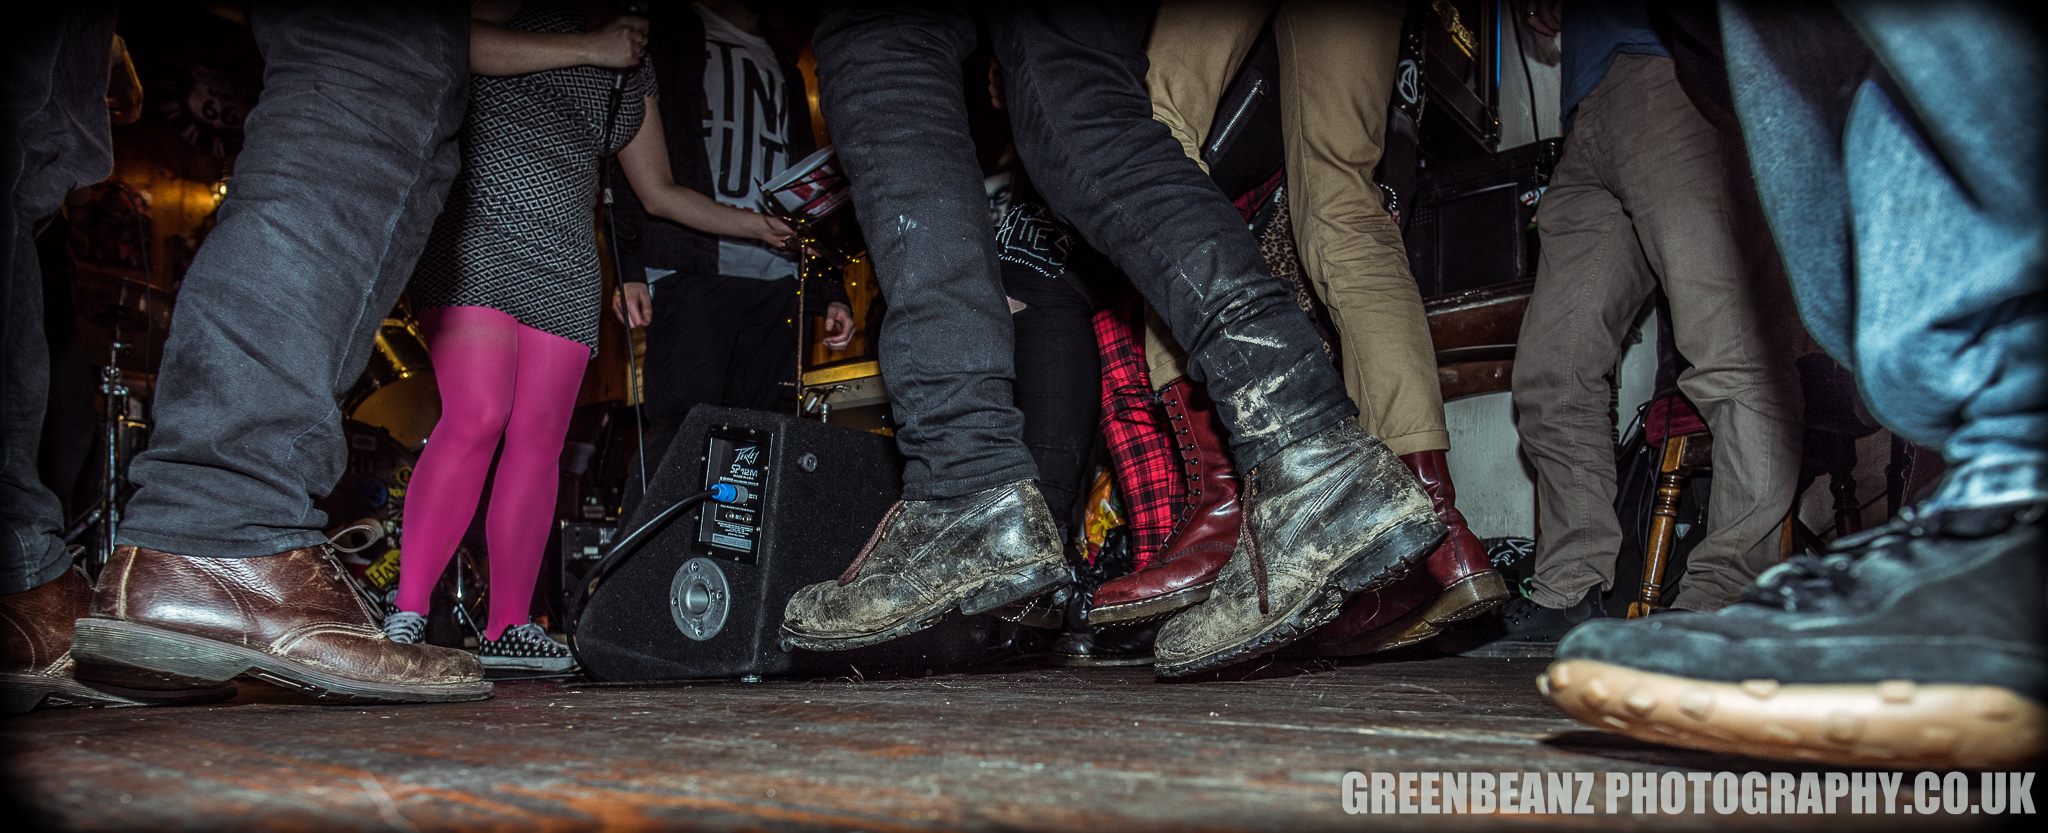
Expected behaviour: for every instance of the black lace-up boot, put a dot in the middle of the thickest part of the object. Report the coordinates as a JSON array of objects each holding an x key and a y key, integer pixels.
[{"x": 1915, "y": 645}]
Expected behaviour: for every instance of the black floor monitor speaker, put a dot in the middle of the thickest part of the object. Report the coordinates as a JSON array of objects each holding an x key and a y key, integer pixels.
[{"x": 702, "y": 598}]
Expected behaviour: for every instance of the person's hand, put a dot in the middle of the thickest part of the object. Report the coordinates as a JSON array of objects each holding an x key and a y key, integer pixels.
[
  {"x": 995, "y": 84},
  {"x": 634, "y": 305},
  {"x": 774, "y": 232},
  {"x": 839, "y": 327},
  {"x": 619, "y": 44},
  {"x": 1544, "y": 17}
]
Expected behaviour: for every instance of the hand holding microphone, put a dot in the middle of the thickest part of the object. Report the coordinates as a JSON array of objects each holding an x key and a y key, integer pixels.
[{"x": 619, "y": 44}]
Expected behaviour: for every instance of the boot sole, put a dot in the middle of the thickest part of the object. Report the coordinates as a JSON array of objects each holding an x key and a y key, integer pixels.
[
  {"x": 1893, "y": 724},
  {"x": 116, "y": 651},
  {"x": 23, "y": 693},
  {"x": 1072, "y": 661},
  {"x": 1465, "y": 598},
  {"x": 980, "y": 597},
  {"x": 1157, "y": 607},
  {"x": 1368, "y": 569},
  {"x": 563, "y": 665}
]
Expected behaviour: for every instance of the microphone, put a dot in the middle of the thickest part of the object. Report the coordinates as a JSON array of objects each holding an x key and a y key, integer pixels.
[{"x": 630, "y": 9}]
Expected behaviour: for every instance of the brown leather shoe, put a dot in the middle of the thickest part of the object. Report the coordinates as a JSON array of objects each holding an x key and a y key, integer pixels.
[
  {"x": 35, "y": 659},
  {"x": 1457, "y": 581},
  {"x": 293, "y": 619},
  {"x": 1204, "y": 535}
]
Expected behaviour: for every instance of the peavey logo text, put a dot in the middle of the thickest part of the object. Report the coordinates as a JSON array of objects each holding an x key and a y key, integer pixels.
[{"x": 743, "y": 466}]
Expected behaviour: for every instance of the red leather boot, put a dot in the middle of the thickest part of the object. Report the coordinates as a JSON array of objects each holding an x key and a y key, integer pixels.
[
  {"x": 1205, "y": 534},
  {"x": 1456, "y": 582}
]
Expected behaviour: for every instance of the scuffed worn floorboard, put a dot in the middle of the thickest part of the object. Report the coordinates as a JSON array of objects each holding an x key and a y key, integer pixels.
[{"x": 1024, "y": 748}]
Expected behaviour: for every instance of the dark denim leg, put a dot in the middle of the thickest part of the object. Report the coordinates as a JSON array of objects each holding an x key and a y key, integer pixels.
[
  {"x": 31, "y": 551},
  {"x": 891, "y": 89},
  {"x": 1059, "y": 385},
  {"x": 1075, "y": 78},
  {"x": 1899, "y": 160},
  {"x": 53, "y": 115},
  {"x": 349, "y": 154}
]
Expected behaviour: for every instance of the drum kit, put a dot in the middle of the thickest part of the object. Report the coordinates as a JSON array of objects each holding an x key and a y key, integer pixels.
[
  {"x": 129, "y": 318},
  {"x": 388, "y": 414},
  {"x": 397, "y": 391},
  {"x": 814, "y": 198}
]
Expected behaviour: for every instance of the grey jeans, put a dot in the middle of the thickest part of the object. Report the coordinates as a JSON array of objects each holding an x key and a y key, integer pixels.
[
  {"x": 347, "y": 159},
  {"x": 1649, "y": 195},
  {"x": 53, "y": 122}
]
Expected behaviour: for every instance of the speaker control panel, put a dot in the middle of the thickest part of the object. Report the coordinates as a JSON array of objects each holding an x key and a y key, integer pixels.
[{"x": 737, "y": 457}]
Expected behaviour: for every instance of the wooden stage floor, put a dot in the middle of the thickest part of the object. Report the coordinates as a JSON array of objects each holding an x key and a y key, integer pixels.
[{"x": 1021, "y": 748}]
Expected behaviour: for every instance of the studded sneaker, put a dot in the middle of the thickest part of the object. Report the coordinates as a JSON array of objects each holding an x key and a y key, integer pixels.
[{"x": 524, "y": 648}]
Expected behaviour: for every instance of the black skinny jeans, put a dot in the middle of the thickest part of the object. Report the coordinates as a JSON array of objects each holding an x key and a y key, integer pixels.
[
  {"x": 1059, "y": 384},
  {"x": 1074, "y": 89}
]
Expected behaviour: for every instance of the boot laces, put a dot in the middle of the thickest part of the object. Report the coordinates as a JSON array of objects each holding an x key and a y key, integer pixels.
[
  {"x": 853, "y": 570},
  {"x": 1251, "y": 537},
  {"x": 1811, "y": 581},
  {"x": 1519, "y": 609}
]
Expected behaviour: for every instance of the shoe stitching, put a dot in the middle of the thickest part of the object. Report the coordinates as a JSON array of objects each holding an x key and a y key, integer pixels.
[
  {"x": 247, "y": 614},
  {"x": 1251, "y": 535},
  {"x": 121, "y": 593},
  {"x": 292, "y": 638}
]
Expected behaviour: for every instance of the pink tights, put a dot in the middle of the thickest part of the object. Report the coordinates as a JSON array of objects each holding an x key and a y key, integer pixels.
[{"x": 500, "y": 380}]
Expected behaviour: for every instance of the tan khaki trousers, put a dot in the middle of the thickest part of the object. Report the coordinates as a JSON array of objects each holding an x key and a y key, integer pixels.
[
  {"x": 1337, "y": 64},
  {"x": 1648, "y": 194}
]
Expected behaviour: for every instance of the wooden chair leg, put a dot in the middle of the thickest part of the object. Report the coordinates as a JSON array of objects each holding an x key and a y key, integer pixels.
[
  {"x": 1671, "y": 476},
  {"x": 1842, "y": 485}
]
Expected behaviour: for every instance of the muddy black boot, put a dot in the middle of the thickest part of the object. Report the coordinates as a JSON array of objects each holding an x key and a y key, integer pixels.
[
  {"x": 1326, "y": 517},
  {"x": 973, "y": 553}
]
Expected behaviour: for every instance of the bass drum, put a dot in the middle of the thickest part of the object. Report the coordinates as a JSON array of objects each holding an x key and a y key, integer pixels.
[
  {"x": 366, "y": 521},
  {"x": 397, "y": 391}
]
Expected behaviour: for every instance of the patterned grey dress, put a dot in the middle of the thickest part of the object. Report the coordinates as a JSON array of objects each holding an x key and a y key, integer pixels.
[{"x": 516, "y": 234}]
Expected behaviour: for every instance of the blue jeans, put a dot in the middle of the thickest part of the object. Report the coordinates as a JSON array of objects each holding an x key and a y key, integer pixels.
[
  {"x": 347, "y": 158},
  {"x": 891, "y": 88},
  {"x": 1898, "y": 154}
]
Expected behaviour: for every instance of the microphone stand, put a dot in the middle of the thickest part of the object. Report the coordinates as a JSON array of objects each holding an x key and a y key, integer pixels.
[{"x": 611, "y": 237}]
